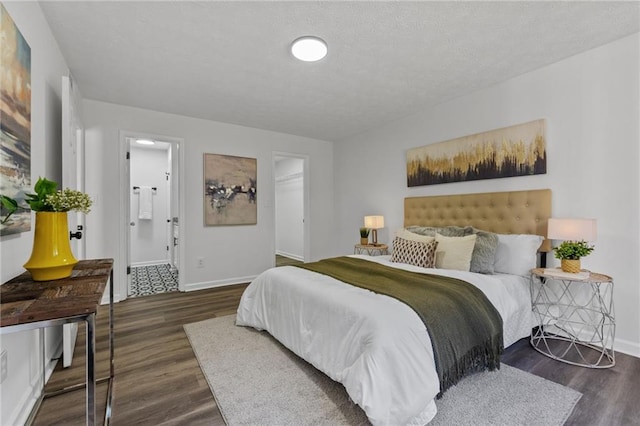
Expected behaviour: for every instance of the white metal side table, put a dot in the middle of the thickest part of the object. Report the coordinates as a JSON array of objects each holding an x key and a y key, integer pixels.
[
  {"x": 574, "y": 316},
  {"x": 370, "y": 249}
]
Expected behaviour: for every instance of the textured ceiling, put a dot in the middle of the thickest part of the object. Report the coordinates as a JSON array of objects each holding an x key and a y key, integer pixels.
[{"x": 230, "y": 61}]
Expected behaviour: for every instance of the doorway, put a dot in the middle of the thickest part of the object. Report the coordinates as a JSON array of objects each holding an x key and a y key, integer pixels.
[
  {"x": 151, "y": 232},
  {"x": 151, "y": 187},
  {"x": 291, "y": 200}
]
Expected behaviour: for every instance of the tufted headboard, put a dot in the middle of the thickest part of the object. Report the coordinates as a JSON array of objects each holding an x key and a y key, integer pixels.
[{"x": 514, "y": 212}]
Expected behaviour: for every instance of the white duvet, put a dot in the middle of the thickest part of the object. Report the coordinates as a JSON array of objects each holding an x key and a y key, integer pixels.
[{"x": 375, "y": 345}]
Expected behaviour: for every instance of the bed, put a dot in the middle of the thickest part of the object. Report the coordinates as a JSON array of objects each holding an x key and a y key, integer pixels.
[{"x": 377, "y": 346}]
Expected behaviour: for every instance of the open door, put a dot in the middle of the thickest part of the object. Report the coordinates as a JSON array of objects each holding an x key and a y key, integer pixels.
[{"x": 72, "y": 177}]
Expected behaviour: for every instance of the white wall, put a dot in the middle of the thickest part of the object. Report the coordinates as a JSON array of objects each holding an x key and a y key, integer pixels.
[
  {"x": 590, "y": 102},
  {"x": 47, "y": 68},
  {"x": 149, "y": 236},
  {"x": 290, "y": 208},
  {"x": 231, "y": 253}
]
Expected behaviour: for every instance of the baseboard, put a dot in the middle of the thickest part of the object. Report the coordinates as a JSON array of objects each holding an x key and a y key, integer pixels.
[
  {"x": 290, "y": 255},
  {"x": 25, "y": 406},
  {"x": 219, "y": 283},
  {"x": 151, "y": 263},
  {"x": 105, "y": 297},
  {"x": 627, "y": 347},
  {"x": 619, "y": 345},
  {"x": 190, "y": 287}
]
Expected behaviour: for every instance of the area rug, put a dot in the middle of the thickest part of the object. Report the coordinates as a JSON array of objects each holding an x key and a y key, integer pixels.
[{"x": 257, "y": 381}]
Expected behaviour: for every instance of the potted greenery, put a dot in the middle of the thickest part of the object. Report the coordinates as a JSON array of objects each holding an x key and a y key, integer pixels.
[
  {"x": 570, "y": 252},
  {"x": 364, "y": 236},
  {"x": 48, "y": 199},
  {"x": 51, "y": 256}
]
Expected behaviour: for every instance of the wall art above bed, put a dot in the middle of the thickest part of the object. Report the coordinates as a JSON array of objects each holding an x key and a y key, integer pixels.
[
  {"x": 518, "y": 150},
  {"x": 230, "y": 190}
]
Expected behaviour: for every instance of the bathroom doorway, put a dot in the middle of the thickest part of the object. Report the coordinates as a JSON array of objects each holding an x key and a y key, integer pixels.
[{"x": 152, "y": 212}]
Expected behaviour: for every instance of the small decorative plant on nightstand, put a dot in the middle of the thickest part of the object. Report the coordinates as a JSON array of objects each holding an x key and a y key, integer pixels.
[
  {"x": 364, "y": 236},
  {"x": 570, "y": 252}
]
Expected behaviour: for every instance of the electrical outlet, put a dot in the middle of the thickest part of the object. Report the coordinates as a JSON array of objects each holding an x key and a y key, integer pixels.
[
  {"x": 3, "y": 366},
  {"x": 201, "y": 262}
]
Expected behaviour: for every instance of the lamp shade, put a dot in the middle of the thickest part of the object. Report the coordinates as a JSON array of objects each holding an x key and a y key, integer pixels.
[
  {"x": 571, "y": 229},
  {"x": 374, "y": 222}
]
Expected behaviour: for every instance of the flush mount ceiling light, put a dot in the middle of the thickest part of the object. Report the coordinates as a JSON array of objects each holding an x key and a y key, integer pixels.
[
  {"x": 145, "y": 141},
  {"x": 309, "y": 48}
]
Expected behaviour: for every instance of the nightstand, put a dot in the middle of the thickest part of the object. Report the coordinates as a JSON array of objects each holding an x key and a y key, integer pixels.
[
  {"x": 370, "y": 249},
  {"x": 574, "y": 315}
]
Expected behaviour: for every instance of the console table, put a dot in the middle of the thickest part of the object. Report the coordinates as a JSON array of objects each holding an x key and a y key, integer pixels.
[{"x": 27, "y": 305}]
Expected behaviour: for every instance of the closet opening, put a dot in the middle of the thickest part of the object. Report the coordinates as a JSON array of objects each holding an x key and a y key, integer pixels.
[{"x": 291, "y": 200}]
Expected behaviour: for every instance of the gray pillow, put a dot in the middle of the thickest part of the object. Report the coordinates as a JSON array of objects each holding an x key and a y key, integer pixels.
[
  {"x": 484, "y": 252},
  {"x": 447, "y": 231}
]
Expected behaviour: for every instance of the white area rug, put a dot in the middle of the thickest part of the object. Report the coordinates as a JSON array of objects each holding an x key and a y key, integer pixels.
[{"x": 257, "y": 381}]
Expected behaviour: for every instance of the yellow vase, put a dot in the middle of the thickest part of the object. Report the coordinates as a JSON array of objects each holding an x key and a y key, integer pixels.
[{"x": 51, "y": 256}]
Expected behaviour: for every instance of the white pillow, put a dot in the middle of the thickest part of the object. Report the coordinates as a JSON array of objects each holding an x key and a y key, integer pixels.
[
  {"x": 517, "y": 253},
  {"x": 412, "y": 236},
  {"x": 454, "y": 252}
]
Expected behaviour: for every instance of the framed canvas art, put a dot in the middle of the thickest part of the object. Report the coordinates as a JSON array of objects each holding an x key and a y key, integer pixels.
[
  {"x": 15, "y": 129},
  {"x": 230, "y": 191},
  {"x": 518, "y": 150}
]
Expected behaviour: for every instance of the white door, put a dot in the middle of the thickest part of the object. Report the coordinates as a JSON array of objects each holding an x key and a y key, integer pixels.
[{"x": 72, "y": 177}]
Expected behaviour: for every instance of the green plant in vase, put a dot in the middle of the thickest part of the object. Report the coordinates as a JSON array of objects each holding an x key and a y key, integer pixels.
[
  {"x": 364, "y": 236},
  {"x": 51, "y": 256},
  {"x": 10, "y": 205},
  {"x": 570, "y": 252},
  {"x": 47, "y": 198}
]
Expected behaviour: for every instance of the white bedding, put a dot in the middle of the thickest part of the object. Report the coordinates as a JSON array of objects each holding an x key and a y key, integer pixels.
[{"x": 375, "y": 345}]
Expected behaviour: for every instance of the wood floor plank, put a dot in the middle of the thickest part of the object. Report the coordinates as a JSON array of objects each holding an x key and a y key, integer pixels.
[
  {"x": 159, "y": 382},
  {"x": 158, "y": 379}
]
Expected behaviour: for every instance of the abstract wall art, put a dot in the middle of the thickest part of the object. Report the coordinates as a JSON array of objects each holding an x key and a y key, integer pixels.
[
  {"x": 518, "y": 150},
  {"x": 230, "y": 190},
  {"x": 15, "y": 122}
]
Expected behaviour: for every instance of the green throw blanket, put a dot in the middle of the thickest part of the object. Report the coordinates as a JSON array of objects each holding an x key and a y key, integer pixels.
[{"x": 465, "y": 328}]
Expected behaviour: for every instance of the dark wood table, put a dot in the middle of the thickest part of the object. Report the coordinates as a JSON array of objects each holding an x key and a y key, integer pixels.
[{"x": 26, "y": 305}]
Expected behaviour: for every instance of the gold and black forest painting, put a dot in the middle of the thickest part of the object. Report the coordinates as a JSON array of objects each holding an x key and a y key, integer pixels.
[{"x": 518, "y": 150}]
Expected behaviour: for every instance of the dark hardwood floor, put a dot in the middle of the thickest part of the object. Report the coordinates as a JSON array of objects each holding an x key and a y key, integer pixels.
[
  {"x": 158, "y": 380},
  {"x": 609, "y": 396}
]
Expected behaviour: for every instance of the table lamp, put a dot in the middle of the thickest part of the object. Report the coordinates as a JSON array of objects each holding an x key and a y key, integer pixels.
[{"x": 374, "y": 223}]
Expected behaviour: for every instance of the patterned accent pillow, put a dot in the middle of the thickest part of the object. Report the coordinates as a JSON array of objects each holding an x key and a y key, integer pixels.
[{"x": 414, "y": 252}]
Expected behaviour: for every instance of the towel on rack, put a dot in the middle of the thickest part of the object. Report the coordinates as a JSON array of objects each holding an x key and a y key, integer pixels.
[{"x": 145, "y": 207}]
